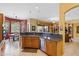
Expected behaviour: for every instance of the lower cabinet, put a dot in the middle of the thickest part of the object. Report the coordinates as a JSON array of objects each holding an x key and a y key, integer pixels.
[
  {"x": 30, "y": 42},
  {"x": 53, "y": 48},
  {"x": 36, "y": 43},
  {"x": 26, "y": 42}
]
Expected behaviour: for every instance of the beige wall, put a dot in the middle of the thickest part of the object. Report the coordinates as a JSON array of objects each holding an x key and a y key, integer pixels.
[
  {"x": 33, "y": 22},
  {"x": 75, "y": 23},
  {"x": 63, "y": 9},
  {"x": 76, "y": 35}
]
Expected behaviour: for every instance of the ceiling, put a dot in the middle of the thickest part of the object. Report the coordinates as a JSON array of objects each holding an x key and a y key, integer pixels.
[
  {"x": 72, "y": 14},
  {"x": 45, "y": 11}
]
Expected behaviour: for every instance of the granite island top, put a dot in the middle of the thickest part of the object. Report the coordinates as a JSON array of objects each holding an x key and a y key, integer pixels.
[{"x": 44, "y": 35}]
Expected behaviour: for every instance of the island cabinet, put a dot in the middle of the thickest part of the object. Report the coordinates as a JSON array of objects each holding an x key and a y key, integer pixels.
[
  {"x": 30, "y": 41},
  {"x": 53, "y": 48},
  {"x": 36, "y": 43},
  {"x": 26, "y": 42}
]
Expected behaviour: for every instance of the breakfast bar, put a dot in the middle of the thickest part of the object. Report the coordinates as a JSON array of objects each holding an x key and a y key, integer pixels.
[{"x": 48, "y": 42}]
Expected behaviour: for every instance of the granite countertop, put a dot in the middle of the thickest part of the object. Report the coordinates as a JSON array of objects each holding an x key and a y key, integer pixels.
[
  {"x": 44, "y": 35},
  {"x": 35, "y": 33},
  {"x": 30, "y": 36},
  {"x": 54, "y": 39}
]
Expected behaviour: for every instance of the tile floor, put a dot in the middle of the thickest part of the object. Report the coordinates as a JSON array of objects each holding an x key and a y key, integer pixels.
[
  {"x": 72, "y": 48},
  {"x": 13, "y": 49}
]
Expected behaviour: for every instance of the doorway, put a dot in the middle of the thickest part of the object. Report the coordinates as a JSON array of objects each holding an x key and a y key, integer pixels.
[
  {"x": 69, "y": 32},
  {"x": 71, "y": 35},
  {"x": 71, "y": 26}
]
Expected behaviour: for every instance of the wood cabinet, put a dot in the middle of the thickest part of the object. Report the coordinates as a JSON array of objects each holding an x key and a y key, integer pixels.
[
  {"x": 26, "y": 42},
  {"x": 1, "y": 29},
  {"x": 35, "y": 43},
  {"x": 53, "y": 48},
  {"x": 30, "y": 42},
  {"x": 1, "y": 18}
]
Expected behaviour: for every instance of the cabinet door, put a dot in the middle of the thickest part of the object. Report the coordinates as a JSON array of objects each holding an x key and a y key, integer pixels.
[
  {"x": 23, "y": 42},
  {"x": 28, "y": 42},
  {"x": 51, "y": 48},
  {"x": 35, "y": 43},
  {"x": 59, "y": 48}
]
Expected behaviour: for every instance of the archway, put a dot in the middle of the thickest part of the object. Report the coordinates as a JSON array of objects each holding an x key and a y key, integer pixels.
[{"x": 64, "y": 8}]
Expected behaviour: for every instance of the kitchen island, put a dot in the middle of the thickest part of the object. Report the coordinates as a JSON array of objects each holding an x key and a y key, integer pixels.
[{"x": 49, "y": 43}]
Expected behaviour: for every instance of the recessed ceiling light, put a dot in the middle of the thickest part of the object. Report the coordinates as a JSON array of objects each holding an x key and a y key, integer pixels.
[{"x": 37, "y": 7}]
